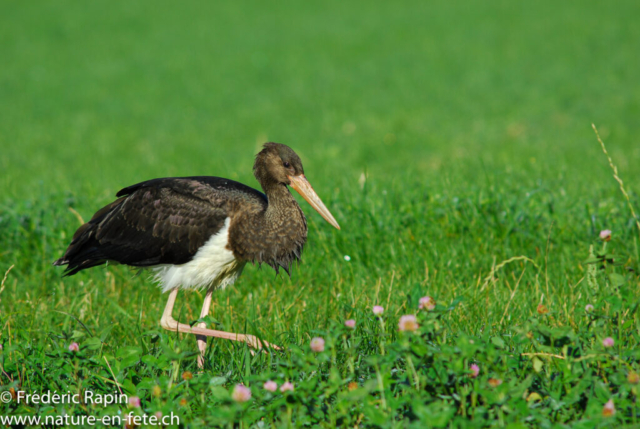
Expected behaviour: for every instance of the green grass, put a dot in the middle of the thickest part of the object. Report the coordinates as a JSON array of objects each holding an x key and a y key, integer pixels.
[{"x": 471, "y": 123}]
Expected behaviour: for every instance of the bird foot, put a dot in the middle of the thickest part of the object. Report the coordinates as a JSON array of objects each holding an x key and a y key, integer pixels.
[
  {"x": 170, "y": 324},
  {"x": 259, "y": 344}
]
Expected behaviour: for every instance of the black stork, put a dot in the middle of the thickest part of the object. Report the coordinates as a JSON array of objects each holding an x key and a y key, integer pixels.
[{"x": 199, "y": 232}]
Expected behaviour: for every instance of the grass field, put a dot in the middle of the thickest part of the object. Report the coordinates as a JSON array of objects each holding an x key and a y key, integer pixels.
[{"x": 451, "y": 140}]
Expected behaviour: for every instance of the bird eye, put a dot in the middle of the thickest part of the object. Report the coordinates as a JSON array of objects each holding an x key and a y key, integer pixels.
[{"x": 286, "y": 164}]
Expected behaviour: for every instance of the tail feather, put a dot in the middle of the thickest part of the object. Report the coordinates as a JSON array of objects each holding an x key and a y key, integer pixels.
[
  {"x": 78, "y": 258},
  {"x": 84, "y": 251},
  {"x": 75, "y": 268}
]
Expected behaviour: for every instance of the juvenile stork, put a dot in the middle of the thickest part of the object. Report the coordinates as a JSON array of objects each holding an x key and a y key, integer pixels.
[{"x": 199, "y": 232}]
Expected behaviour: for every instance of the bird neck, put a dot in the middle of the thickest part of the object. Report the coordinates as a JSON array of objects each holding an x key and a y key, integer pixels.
[
  {"x": 280, "y": 199},
  {"x": 280, "y": 231}
]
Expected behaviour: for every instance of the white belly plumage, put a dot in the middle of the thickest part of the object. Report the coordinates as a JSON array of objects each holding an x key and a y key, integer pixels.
[{"x": 213, "y": 265}]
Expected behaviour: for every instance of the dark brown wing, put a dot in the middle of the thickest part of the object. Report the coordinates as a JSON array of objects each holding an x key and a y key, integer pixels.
[{"x": 160, "y": 221}]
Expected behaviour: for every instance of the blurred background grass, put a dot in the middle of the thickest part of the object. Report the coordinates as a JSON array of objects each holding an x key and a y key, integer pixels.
[
  {"x": 470, "y": 121},
  {"x": 98, "y": 95}
]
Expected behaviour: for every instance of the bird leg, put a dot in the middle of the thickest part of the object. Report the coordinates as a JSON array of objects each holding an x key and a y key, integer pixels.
[
  {"x": 202, "y": 340},
  {"x": 170, "y": 324}
]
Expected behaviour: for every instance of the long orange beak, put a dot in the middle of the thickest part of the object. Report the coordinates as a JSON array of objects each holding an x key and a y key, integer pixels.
[{"x": 302, "y": 185}]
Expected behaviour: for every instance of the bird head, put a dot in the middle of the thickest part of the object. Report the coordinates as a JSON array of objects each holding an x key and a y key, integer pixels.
[{"x": 279, "y": 164}]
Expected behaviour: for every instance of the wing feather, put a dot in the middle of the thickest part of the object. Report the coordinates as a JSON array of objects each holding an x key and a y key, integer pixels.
[{"x": 161, "y": 221}]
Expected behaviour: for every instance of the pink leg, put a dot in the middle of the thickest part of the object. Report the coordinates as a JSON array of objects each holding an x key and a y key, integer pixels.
[
  {"x": 202, "y": 340},
  {"x": 169, "y": 323}
]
